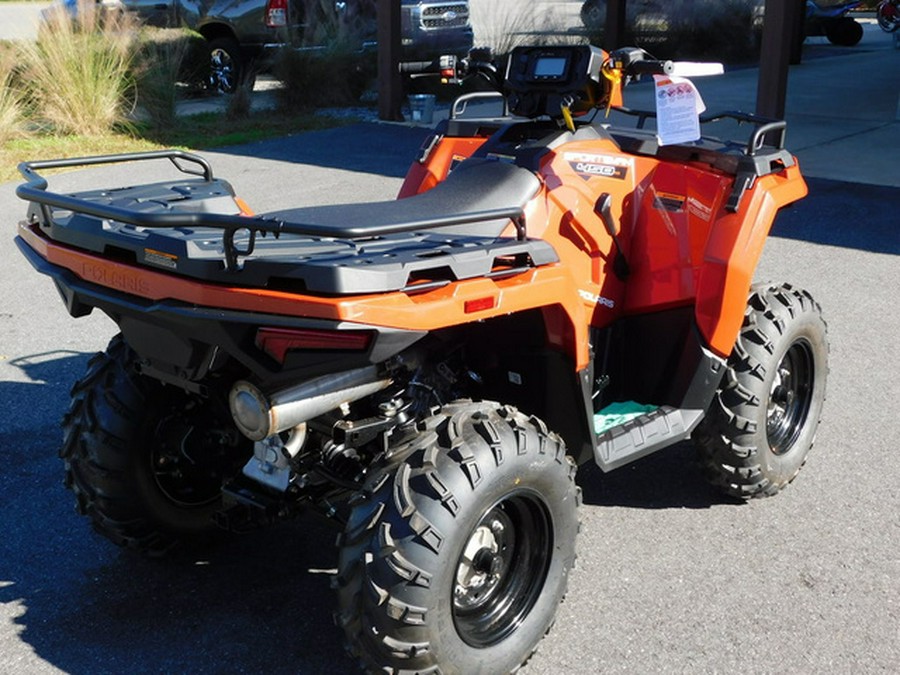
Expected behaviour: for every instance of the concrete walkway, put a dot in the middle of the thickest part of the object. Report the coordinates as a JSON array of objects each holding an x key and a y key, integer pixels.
[{"x": 842, "y": 107}]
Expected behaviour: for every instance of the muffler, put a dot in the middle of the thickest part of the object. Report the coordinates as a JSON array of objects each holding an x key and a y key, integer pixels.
[{"x": 259, "y": 416}]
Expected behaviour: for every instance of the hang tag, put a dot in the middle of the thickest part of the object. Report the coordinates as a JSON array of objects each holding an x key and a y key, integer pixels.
[{"x": 678, "y": 108}]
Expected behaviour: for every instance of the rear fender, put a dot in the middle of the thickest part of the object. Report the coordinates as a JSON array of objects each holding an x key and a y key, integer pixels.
[{"x": 437, "y": 157}]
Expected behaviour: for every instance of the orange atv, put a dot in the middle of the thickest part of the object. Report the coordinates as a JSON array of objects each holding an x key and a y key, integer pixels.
[{"x": 429, "y": 372}]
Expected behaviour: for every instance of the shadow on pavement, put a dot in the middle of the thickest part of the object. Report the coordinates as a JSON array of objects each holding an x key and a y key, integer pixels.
[
  {"x": 669, "y": 479},
  {"x": 260, "y": 603},
  {"x": 382, "y": 149},
  {"x": 848, "y": 215}
]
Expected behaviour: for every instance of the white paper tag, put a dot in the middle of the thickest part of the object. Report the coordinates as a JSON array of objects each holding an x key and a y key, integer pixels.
[{"x": 678, "y": 108}]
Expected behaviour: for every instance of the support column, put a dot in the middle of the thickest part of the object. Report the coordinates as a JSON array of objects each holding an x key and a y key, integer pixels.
[
  {"x": 779, "y": 29},
  {"x": 614, "y": 28},
  {"x": 390, "y": 84}
]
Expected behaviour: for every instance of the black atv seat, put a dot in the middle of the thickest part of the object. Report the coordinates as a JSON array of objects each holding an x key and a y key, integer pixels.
[{"x": 475, "y": 186}]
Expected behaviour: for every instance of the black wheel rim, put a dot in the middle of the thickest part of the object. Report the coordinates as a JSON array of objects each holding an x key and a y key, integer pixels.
[
  {"x": 222, "y": 70},
  {"x": 790, "y": 397},
  {"x": 502, "y": 569}
]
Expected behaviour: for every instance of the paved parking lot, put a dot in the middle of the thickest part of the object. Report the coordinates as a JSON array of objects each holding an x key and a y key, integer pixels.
[{"x": 670, "y": 577}]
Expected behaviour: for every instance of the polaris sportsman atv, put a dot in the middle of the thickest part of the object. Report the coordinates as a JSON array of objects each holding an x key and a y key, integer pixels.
[{"x": 429, "y": 372}]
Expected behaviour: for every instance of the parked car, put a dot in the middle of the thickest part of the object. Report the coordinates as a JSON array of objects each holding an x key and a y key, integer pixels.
[
  {"x": 242, "y": 35},
  {"x": 651, "y": 15}
]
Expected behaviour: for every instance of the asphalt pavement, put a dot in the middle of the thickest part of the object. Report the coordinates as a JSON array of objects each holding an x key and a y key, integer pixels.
[{"x": 670, "y": 576}]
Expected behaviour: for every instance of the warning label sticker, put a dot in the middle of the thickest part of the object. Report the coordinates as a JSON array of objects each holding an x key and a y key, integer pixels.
[{"x": 160, "y": 259}]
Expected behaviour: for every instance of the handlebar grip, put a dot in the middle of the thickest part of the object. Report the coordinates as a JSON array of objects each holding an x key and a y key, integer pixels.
[
  {"x": 417, "y": 67},
  {"x": 649, "y": 67}
]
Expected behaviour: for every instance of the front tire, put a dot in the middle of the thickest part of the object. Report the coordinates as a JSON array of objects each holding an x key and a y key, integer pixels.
[
  {"x": 145, "y": 461},
  {"x": 888, "y": 16},
  {"x": 459, "y": 550},
  {"x": 763, "y": 420},
  {"x": 844, "y": 32}
]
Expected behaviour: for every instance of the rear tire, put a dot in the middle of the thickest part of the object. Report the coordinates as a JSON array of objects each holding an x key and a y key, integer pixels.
[
  {"x": 228, "y": 67},
  {"x": 458, "y": 552},
  {"x": 763, "y": 420},
  {"x": 844, "y": 32},
  {"x": 146, "y": 461}
]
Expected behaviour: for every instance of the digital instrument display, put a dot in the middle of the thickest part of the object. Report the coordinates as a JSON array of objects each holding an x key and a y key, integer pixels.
[{"x": 550, "y": 67}]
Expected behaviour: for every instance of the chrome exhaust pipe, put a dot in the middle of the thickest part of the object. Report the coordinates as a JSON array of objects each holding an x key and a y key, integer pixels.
[{"x": 259, "y": 416}]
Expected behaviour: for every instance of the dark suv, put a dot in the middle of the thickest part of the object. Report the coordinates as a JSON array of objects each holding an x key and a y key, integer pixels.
[{"x": 241, "y": 32}]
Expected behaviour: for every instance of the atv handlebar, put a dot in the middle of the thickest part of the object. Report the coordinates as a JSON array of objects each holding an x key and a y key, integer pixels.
[
  {"x": 633, "y": 62},
  {"x": 420, "y": 67},
  {"x": 650, "y": 67}
]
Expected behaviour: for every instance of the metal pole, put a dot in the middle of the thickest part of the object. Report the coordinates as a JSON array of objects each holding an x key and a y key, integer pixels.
[
  {"x": 390, "y": 84},
  {"x": 614, "y": 32},
  {"x": 775, "y": 52}
]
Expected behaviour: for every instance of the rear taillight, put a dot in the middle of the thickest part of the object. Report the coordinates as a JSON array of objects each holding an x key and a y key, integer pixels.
[
  {"x": 277, "y": 13},
  {"x": 277, "y": 342}
]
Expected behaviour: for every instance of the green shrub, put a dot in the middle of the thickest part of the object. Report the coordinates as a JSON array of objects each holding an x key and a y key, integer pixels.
[
  {"x": 168, "y": 61},
  {"x": 322, "y": 77},
  {"x": 79, "y": 70},
  {"x": 326, "y": 25},
  {"x": 239, "y": 103}
]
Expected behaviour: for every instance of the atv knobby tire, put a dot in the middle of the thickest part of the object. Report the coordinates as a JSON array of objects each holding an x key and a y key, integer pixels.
[
  {"x": 458, "y": 549},
  {"x": 763, "y": 419},
  {"x": 138, "y": 457}
]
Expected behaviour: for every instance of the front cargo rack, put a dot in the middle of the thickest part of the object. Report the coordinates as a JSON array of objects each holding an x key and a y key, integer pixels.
[{"x": 762, "y": 154}]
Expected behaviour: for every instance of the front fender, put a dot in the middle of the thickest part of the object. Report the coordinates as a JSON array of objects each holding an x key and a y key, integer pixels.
[{"x": 732, "y": 253}]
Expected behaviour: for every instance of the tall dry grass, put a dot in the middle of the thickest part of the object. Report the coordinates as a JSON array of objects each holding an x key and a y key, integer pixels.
[
  {"x": 12, "y": 107},
  {"x": 79, "y": 70},
  {"x": 167, "y": 61},
  {"x": 319, "y": 78}
]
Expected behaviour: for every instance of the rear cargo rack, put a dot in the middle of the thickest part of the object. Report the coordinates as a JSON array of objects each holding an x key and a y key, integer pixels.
[{"x": 35, "y": 190}]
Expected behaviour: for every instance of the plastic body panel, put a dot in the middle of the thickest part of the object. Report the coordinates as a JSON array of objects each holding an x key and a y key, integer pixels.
[{"x": 683, "y": 245}]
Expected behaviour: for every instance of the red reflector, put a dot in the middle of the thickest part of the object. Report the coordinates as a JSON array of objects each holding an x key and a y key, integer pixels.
[
  {"x": 276, "y": 13},
  {"x": 277, "y": 342},
  {"x": 478, "y": 305}
]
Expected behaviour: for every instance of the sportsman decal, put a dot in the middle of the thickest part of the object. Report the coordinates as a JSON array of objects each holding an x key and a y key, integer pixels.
[{"x": 589, "y": 165}]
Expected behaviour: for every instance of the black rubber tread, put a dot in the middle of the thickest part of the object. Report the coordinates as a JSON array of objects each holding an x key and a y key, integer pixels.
[
  {"x": 732, "y": 441},
  {"x": 402, "y": 543},
  {"x": 106, "y": 436}
]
